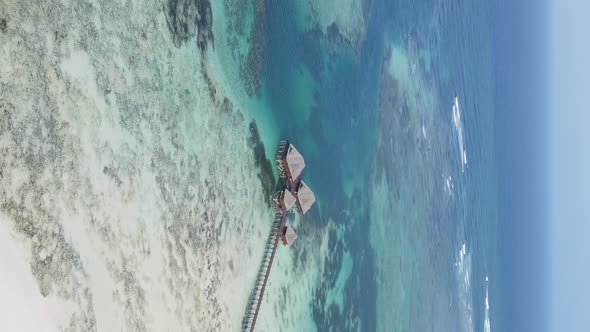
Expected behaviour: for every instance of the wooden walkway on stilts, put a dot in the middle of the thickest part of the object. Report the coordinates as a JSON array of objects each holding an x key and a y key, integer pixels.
[
  {"x": 262, "y": 277},
  {"x": 271, "y": 246}
]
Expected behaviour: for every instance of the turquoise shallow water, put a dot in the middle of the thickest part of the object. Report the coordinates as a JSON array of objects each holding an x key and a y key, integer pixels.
[
  {"x": 128, "y": 163},
  {"x": 374, "y": 119}
]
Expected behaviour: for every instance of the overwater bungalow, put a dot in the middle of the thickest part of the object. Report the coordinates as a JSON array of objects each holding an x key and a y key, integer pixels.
[
  {"x": 305, "y": 198},
  {"x": 300, "y": 197},
  {"x": 288, "y": 235},
  {"x": 293, "y": 194},
  {"x": 289, "y": 162}
]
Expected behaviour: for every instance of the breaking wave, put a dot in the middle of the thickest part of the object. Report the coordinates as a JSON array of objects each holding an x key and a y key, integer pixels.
[
  {"x": 487, "y": 326},
  {"x": 459, "y": 129},
  {"x": 463, "y": 275},
  {"x": 449, "y": 186},
  {"x": 463, "y": 269}
]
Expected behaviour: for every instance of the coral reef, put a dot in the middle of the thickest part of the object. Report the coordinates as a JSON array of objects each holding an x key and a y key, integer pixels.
[
  {"x": 266, "y": 175},
  {"x": 119, "y": 168},
  {"x": 187, "y": 18},
  {"x": 252, "y": 68}
]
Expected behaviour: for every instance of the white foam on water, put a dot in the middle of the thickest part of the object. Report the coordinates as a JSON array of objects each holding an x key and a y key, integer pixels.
[
  {"x": 449, "y": 185},
  {"x": 463, "y": 275},
  {"x": 487, "y": 325},
  {"x": 463, "y": 268},
  {"x": 458, "y": 123},
  {"x": 424, "y": 134}
]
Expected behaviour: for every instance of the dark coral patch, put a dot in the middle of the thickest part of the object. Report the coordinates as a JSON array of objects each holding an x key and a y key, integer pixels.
[
  {"x": 251, "y": 72},
  {"x": 358, "y": 308},
  {"x": 187, "y": 18},
  {"x": 3, "y": 25},
  {"x": 266, "y": 175}
]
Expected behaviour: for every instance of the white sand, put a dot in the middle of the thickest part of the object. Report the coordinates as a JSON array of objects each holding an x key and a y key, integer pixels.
[
  {"x": 22, "y": 307},
  {"x": 138, "y": 193}
]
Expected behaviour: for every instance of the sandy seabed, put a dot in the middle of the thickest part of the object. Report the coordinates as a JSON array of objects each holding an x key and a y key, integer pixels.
[{"x": 130, "y": 192}]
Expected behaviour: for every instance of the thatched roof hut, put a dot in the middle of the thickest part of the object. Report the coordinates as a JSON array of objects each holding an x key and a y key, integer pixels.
[
  {"x": 294, "y": 162},
  {"x": 288, "y": 236},
  {"x": 288, "y": 199},
  {"x": 305, "y": 198}
]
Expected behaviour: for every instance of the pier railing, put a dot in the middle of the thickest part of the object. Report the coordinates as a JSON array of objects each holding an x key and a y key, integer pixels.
[
  {"x": 281, "y": 150},
  {"x": 269, "y": 252}
]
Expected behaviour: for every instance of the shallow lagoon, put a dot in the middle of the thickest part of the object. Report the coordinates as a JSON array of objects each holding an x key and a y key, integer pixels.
[{"x": 130, "y": 176}]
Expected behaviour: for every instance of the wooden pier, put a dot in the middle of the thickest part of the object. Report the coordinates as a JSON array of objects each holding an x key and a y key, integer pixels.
[
  {"x": 263, "y": 273},
  {"x": 292, "y": 194}
]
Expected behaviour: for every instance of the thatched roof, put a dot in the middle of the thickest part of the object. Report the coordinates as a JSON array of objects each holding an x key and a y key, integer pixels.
[
  {"x": 289, "y": 236},
  {"x": 295, "y": 162},
  {"x": 288, "y": 199},
  {"x": 306, "y": 197}
]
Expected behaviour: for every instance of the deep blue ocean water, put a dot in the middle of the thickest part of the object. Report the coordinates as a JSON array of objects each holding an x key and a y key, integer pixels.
[{"x": 447, "y": 266}]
